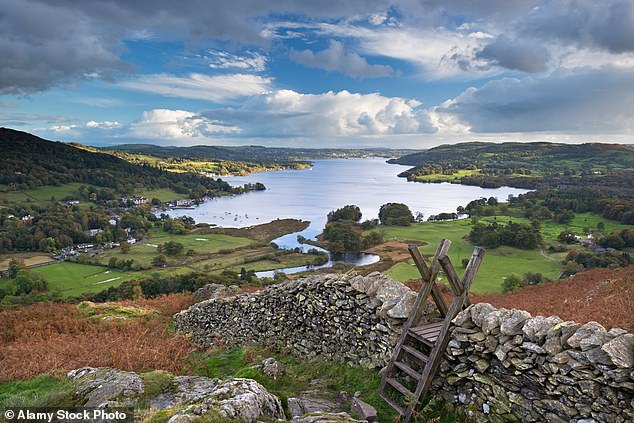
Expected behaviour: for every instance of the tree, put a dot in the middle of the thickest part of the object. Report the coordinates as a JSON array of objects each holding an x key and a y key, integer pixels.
[
  {"x": 172, "y": 248},
  {"x": 125, "y": 247},
  {"x": 159, "y": 261},
  {"x": 15, "y": 266},
  {"x": 343, "y": 238},
  {"x": 567, "y": 236},
  {"x": 395, "y": 214},
  {"x": 349, "y": 212}
]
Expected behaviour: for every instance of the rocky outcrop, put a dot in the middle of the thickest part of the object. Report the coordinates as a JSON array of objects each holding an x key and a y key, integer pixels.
[
  {"x": 505, "y": 365},
  {"x": 348, "y": 317},
  {"x": 181, "y": 398},
  {"x": 213, "y": 290}
]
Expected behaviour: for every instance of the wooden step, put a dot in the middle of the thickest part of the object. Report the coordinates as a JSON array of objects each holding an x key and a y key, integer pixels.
[
  {"x": 392, "y": 404},
  {"x": 414, "y": 352},
  {"x": 403, "y": 390},
  {"x": 427, "y": 340},
  {"x": 407, "y": 369}
]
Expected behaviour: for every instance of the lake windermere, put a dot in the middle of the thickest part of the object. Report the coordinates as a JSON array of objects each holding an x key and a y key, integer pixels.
[{"x": 310, "y": 194}]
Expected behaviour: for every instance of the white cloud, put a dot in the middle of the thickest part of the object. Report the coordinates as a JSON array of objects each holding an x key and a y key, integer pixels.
[
  {"x": 197, "y": 86},
  {"x": 286, "y": 113},
  {"x": 250, "y": 61},
  {"x": 62, "y": 128},
  {"x": 177, "y": 124},
  {"x": 336, "y": 59},
  {"x": 103, "y": 125}
]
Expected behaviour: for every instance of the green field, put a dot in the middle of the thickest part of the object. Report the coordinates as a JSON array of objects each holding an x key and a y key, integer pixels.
[
  {"x": 163, "y": 194},
  {"x": 498, "y": 262},
  {"x": 72, "y": 279},
  {"x": 41, "y": 195},
  {"x": 439, "y": 177},
  {"x": 143, "y": 252}
]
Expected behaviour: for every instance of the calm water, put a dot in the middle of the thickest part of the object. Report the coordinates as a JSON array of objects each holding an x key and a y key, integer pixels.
[{"x": 330, "y": 184}]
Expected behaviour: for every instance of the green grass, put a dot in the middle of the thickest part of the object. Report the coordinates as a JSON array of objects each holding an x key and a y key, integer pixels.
[
  {"x": 498, "y": 262},
  {"x": 41, "y": 195},
  {"x": 438, "y": 177},
  {"x": 328, "y": 377},
  {"x": 42, "y": 391},
  {"x": 201, "y": 244},
  {"x": 72, "y": 279},
  {"x": 163, "y": 194}
]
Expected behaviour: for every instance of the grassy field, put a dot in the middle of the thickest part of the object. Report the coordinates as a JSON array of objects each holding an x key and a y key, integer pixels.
[
  {"x": 144, "y": 252},
  {"x": 41, "y": 195},
  {"x": 163, "y": 194},
  {"x": 439, "y": 177},
  {"x": 498, "y": 262},
  {"x": 72, "y": 279},
  {"x": 29, "y": 259}
]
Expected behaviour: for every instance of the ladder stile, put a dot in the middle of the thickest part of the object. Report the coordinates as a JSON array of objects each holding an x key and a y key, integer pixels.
[{"x": 433, "y": 335}]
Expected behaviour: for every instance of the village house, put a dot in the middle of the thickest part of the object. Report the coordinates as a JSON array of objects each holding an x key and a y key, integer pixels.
[
  {"x": 72, "y": 202},
  {"x": 93, "y": 232},
  {"x": 137, "y": 201}
]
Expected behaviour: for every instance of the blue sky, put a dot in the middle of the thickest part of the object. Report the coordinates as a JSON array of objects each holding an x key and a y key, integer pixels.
[{"x": 320, "y": 73}]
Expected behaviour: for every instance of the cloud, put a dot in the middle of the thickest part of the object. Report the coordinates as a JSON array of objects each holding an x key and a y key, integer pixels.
[
  {"x": 519, "y": 55},
  {"x": 103, "y": 125},
  {"x": 250, "y": 61},
  {"x": 286, "y": 113},
  {"x": 201, "y": 87},
  {"x": 177, "y": 124},
  {"x": 586, "y": 100},
  {"x": 62, "y": 128},
  {"x": 336, "y": 59}
]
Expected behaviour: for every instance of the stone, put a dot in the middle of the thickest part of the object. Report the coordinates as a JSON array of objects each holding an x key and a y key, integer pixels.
[
  {"x": 323, "y": 417},
  {"x": 181, "y": 418},
  {"x": 271, "y": 368},
  {"x": 621, "y": 350},
  {"x": 213, "y": 290},
  {"x": 529, "y": 346},
  {"x": 391, "y": 289},
  {"x": 311, "y": 402},
  {"x": 588, "y": 336},
  {"x": 479, "y": 311},
  {"x": 536, "y": 328},
  {"x": 103, "y": 388},
  {"x": 364, "y": 410},
  {"x": 514, "y": 322}
]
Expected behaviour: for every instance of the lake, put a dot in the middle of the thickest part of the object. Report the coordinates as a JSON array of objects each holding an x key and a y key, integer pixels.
[{"x": 309, "y": 194}]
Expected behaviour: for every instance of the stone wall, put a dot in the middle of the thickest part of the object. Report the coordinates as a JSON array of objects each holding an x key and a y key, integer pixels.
[
  {"x": 501, "y": 365},
  {"x": 349, "y": 317},
  {"x": 504, "y": 365}
]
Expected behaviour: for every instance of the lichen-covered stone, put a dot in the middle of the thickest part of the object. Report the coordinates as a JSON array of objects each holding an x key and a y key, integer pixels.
[{"x": 621, "y": 350}]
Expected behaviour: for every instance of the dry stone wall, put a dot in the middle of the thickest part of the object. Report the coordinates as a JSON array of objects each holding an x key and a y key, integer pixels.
[
  {"x": 505, "y": 365},
  {"x": 501, "y": 365},
  {"x": 350, "y": 317}
]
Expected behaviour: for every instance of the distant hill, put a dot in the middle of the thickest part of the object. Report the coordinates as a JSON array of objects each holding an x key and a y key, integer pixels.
[
  {"x": 525, "y": 165},
  {"x": 254, "y": 154},
  {"x": 29, "y": 161}
]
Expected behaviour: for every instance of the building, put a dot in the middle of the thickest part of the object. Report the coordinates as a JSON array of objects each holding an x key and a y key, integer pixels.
[
  {"x": 93, "y": 232},
  {"x": 185, "y": 202},
  {"x": 72, "y": 202},
  {"x": 137, "y": 201}
]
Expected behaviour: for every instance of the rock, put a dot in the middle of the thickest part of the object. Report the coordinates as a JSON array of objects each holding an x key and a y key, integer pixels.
[
  {"x": 536, "y": 328},
  {"x": 321, "y": 417},
  {"x": 529, "y": 346},
  {"x": 478, "y": 311},
  {"x": 364, "y": 410},
  {"x": 514, "y": 322},
  {"x": 271, "y": 368},
  {"x": 621, "y": 350},
  {"x": 390, "y": 289},
  {"x": 245, "y": 399},
  {"x": 212, "y": 291},
  {"x": 181, "y": 418},
  {"x": 104, "y": 388},
  {"x": 311, "y": 402},
  {"x": 403, "y": 308},
  {"x": 588, "y": 336}
]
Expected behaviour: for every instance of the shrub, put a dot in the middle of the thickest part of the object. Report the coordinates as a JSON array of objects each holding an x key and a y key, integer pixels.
[{"x": 511, "y": 282}]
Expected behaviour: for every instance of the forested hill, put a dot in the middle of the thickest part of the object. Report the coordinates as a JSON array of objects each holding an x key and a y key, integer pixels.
[
  {"x": 254, "y": 154},
  {"x": 29, "y": 161},
  {"x": 525, "y": 165}
]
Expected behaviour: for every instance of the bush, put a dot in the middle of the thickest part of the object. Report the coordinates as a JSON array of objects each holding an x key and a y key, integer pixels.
[
  {"x": 395, "y": 214},
  {"x": 511, "y": 282},
  {"x": 350, "y": 212}
]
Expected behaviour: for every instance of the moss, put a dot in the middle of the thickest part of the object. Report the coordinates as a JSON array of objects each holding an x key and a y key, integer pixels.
[
  {"x": 161, "y": 416},
  {"x": 157, "y": 382}
]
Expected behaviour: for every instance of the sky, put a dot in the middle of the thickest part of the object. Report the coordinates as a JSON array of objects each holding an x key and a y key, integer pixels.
[{"x": 318, "y": 73}]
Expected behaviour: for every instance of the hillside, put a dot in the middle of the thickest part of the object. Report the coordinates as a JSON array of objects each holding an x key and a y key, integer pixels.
[
  {"x": 526, "y": 165},
  {"x": 29, "y": 162},
  {"x": 602, "y": 295},
  {"x": 254, "y": 154}
]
